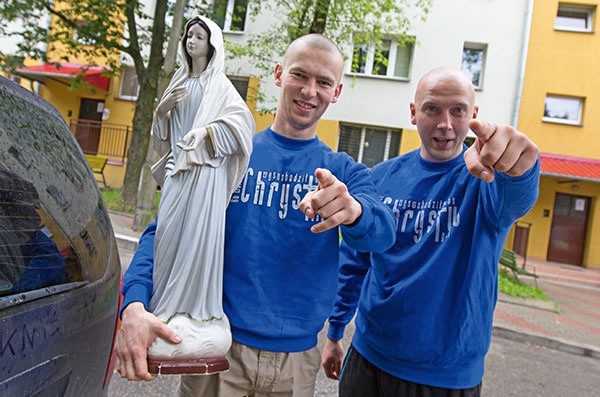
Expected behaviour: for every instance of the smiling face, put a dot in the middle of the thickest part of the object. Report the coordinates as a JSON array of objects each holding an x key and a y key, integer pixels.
[
  {"x": 444, "y": 104},
  {"x": 309, "y": 79}
]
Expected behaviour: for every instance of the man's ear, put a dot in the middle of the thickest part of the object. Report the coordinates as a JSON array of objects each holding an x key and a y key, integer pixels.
[
  {"x": 413, "y": 114},
  {"x": 337, "y": 93},
  {"x": 475, "y": 111},
  {"x": 278, "y": 74}
]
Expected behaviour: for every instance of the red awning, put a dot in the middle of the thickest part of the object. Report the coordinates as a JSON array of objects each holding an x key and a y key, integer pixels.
[
  {"x": 571, "y": 167},
  {"x": 90, "y": 74}
]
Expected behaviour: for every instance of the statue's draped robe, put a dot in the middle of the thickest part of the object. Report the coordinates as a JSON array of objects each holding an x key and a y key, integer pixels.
[{"x": 197, "y": 186}]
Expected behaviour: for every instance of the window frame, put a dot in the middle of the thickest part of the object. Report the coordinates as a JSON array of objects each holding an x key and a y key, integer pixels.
[
  {"x": 363, "y": 133},
  {"x": 228, "y": 19},
  {"x": 122, "y": 79},
  {"x": 568, "y": 7},
  {"x": 370, "y": 60},
  {"x": 558, "y": 120},
  {"x": 475, "y": 46}
]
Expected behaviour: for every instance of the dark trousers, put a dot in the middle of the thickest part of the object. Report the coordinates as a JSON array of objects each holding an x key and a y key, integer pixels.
[{"x": 360, "y": 378}]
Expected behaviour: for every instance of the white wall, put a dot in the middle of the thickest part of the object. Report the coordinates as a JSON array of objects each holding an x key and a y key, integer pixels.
[{"x": 440, "y": 40}]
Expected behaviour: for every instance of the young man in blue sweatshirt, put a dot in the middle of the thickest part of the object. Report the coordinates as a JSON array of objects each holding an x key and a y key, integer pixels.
[
  {"x": 424, "y": 320},
  {"x": 281, "y": 243}
]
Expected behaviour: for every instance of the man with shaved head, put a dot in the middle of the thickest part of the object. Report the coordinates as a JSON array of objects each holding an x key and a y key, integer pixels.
[
  {"x": 424, "y": 321},
  {"x": 281, "y": 243}
]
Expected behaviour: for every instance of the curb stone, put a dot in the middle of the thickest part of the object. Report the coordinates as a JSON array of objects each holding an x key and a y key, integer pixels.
[
  {"x": 535, "y": 303},
  {"x": 126, "y": 242},
  {"x": 556, "y": 344}
]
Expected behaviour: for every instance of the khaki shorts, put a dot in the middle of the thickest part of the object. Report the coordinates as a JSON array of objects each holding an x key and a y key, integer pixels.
[{"x": 257, "y": 373}]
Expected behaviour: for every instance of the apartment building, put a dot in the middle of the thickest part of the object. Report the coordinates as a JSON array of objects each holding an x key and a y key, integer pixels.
[
  {"x": 532, "y": 63},
  {"x": 560, "y": 111}
]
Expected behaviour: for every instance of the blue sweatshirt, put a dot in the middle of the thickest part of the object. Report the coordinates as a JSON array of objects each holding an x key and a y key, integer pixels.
[
  {"x": 279, "y": 279},
  {"x": 425, "y": 310}
]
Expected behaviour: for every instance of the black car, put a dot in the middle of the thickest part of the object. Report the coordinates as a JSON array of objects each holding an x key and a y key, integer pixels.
[{"x": 59, "y": 265}]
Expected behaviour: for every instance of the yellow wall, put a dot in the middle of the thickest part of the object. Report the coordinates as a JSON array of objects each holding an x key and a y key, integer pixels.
[
  {"x": 327, "y": 130},
  {"x": 562, "y": 63},
  {"x": 410, "y": 141},
  {"x": 540, "y": 231},
  {"x": 56, "y": 51}
]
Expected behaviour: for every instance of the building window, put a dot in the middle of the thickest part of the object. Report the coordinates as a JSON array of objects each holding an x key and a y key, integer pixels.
[
  {"x": 563, "y": 109},
  {"x": 129, "y": 83},
  {"x": 369, "y": 145},
  {"x": 230, "y": 15},
  {"x": 391, "y": 59},
  {"x": 473, "y": 62},
  {"x": 575, "y": 18},
  {"x": 241, "y": 85}
]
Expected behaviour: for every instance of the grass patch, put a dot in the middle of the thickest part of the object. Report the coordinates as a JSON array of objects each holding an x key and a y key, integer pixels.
[
  {"x": 512, "y": 286},
  {"x": 113, "y": 201}
]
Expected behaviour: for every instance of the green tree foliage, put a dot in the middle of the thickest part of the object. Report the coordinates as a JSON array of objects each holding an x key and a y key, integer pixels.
[
  {"x": 344, "y": 21},
  {"x": 88, "y": 30},
  {"x": 99, "y": 33}
]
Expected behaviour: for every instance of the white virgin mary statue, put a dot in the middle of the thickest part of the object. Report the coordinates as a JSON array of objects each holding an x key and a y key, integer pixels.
[{"x": 203, "y": 129}]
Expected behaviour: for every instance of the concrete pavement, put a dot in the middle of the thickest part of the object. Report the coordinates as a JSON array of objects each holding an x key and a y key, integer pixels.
[{"x": 570, "y": 322}]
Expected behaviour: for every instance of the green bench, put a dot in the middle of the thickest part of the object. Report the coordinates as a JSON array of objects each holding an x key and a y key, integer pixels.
[
  {"x": 508, "y": 259},
  {"x": 97, "y": 164}
]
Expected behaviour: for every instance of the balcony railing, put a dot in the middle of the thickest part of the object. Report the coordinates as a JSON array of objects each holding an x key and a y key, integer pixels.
[{"x": 97, "y": 138}]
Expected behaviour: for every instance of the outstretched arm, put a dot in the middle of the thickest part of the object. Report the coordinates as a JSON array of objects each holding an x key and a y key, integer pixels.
[{"x": 366, "y": 223}]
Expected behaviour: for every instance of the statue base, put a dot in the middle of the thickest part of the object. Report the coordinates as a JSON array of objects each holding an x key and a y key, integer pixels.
[{"x": 187, "y": 366}]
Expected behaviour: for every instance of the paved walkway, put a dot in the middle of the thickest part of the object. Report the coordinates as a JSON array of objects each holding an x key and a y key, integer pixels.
[{"x": 570, "y": 322}]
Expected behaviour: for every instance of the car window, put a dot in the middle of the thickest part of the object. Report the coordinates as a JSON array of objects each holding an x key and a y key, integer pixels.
[
  {"x": 53, "y": 227},
  {"x": 33, "y": 252}
]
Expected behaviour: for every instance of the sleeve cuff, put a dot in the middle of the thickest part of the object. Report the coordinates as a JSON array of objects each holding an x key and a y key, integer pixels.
[
  {"x": 361, "y": 227},
  {"x": 335, "y": 331},
  {"x": 135, "y": 293}
]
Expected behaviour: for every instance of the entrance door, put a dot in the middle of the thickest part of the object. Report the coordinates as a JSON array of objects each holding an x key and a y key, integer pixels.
[
  {"x": 89, "y": 125},
  {"x": 569, "y": 225}
]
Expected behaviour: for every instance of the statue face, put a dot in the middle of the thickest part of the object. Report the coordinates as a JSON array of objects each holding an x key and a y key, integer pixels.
[{"x": 196, "y": 44}]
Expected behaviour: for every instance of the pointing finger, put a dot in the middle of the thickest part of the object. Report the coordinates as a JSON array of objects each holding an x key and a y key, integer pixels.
[
  {"x": 475, "y": 166},
  {"x": 482, "y": 129},
  {"x": 325, "y": 177}
]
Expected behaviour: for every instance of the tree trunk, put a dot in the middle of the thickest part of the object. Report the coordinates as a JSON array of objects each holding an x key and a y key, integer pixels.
[
  {"x": 140, "y": 136},
  {"x": 144, "y": 213},
  {"x": 319, "y": 22},
  {"x": 142, "y": 118}
]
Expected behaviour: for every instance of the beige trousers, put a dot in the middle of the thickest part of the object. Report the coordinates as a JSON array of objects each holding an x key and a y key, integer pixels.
[{"x": 258, "y": 373}]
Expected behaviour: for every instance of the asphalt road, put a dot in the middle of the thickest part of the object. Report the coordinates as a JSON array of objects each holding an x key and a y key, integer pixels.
[{"x": 512, "y": 369}]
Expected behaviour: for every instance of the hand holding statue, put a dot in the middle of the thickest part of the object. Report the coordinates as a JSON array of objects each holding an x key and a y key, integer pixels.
[{"x": 138, "y": 330}]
